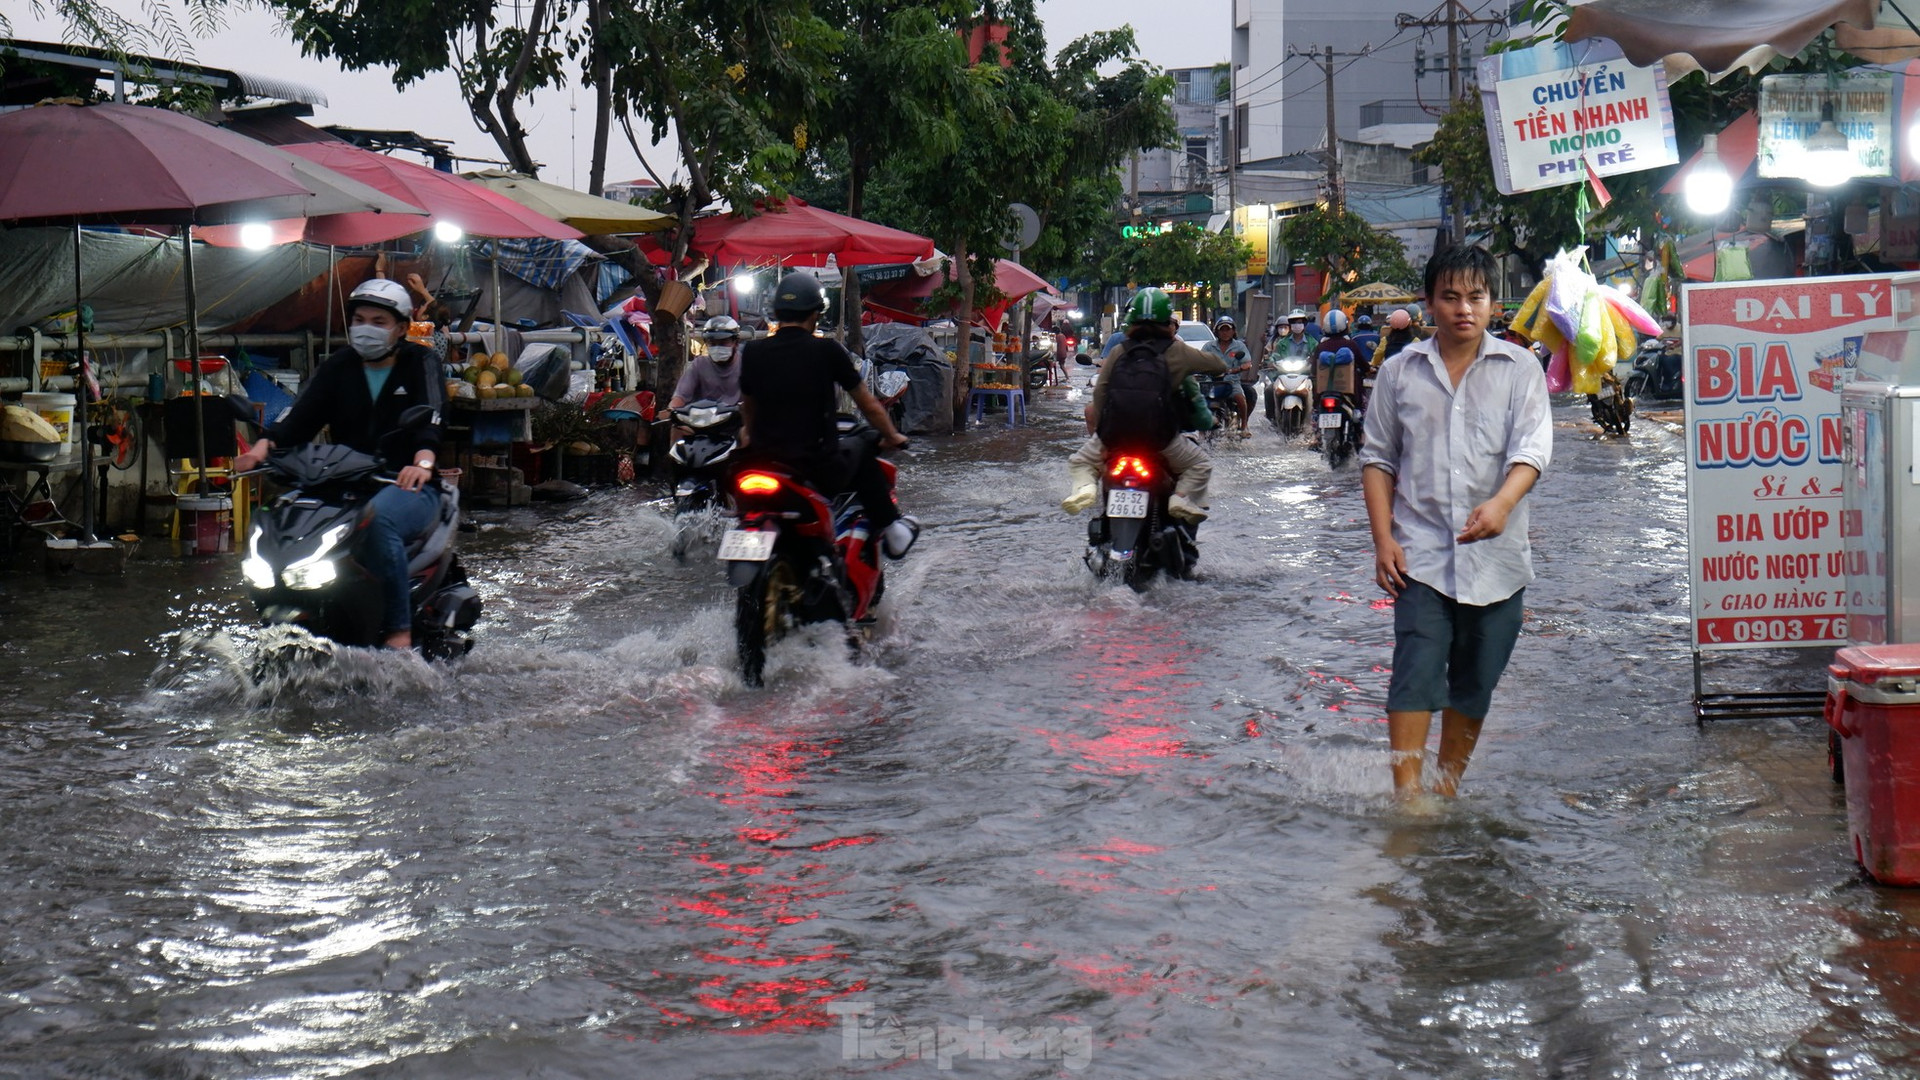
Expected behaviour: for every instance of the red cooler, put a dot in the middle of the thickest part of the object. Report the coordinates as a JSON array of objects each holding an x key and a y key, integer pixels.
[{"x": 1873, "y": 703}]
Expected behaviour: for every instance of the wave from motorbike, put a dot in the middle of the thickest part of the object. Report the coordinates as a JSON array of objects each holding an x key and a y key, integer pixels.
[
  {"x": 702, "y": 459},
  {"x": 305, "y": 561},
  {"x": 1132, "y": 536},
  {"x": 800, "y": 555}
]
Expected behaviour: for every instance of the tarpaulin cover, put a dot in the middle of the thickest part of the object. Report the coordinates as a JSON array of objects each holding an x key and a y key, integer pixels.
[
  {"x": 928, "y": 406},
  {"x": 1718, "y": 35},
  {"x": 133, "y": 283},
  {"x": 793, "y": 233}
]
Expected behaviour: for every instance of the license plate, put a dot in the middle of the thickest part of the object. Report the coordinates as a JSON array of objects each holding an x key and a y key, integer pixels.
[
  {"x": 1368, "y": 383},
  {"x": 747, "y": 545},
  {"x": 1330, "y": 419},
  {"x": 1605, "y": 394},
  {"x": 1126, "y": 503}
]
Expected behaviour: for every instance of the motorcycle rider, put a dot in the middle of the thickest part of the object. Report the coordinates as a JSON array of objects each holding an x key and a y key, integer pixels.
[
  {"x": 1227, "y": 345},
  {"x": 1337, "y": 363},
  {"x": 715, "y": 376},
  {"x": 1365, "y": 336},
  {"x": 358, "y": 394},
  {"x": 1150, "y": 323},
  {"x": 1399, "y": 335},
  {"x": 787, "y": 400}
]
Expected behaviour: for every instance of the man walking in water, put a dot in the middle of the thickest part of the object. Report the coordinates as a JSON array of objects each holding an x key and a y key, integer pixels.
[{"x": 1458, "y": 432}]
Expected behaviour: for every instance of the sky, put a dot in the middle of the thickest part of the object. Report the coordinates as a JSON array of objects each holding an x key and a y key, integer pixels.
[{"x": 562, "y": 138}]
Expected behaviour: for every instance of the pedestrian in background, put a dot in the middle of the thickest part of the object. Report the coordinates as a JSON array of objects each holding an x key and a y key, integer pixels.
[{"x": 1458, "y": 431}]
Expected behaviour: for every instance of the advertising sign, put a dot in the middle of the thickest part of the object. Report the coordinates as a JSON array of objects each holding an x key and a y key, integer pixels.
[
  {"x": 1556, "y": 111},
  {"x": 1766, "y": 362},
  {"x": 1790, "y": 111},
  {"x": 1250, "y": 226}
]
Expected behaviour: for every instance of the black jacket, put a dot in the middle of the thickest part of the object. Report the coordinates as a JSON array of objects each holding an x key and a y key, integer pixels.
[{"x": 336, "y": 397}]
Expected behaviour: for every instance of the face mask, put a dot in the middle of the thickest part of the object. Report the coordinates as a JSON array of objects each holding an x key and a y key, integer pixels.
[
  {"x": 720, "y": 354},
  {"x": 369, "y": 341}
]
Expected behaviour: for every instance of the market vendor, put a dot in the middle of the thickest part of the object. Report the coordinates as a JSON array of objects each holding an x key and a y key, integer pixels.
[{"x": 359, "y": 393}]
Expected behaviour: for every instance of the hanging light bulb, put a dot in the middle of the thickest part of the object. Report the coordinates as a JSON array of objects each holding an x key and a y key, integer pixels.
[
  {"x": 447, "y": 232},
  {"x": 1709, "y": 189},
  {"x": 744, "y": 283},
  {"x": 256, "y": 236},
  {"x": 1828, "y": 160}
]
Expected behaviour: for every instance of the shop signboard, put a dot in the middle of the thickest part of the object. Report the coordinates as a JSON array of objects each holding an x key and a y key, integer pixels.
[
  {"x": 1790, "y": 111},
  {"x": 1250, "y": 227},
  {"x": 1558, "y": 111},
  {"x": 1766, "y": 361}
]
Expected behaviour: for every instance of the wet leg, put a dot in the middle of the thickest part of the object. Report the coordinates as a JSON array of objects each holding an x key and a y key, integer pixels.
[
  {"x": 1459, "y": 733},
  {"x": 1407, "y": 735}
]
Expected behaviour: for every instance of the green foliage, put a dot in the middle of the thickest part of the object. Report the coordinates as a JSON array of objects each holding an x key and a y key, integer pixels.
[
  {"x": 1185, "y": 254},
  {"x": 1345, "y": 248}
]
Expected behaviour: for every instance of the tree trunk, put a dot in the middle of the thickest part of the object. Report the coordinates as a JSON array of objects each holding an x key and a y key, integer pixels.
[
  {"x": 600, "y": 70},
  {"x": 850, "y": 310},
  {"x": 963, "y": 355}
]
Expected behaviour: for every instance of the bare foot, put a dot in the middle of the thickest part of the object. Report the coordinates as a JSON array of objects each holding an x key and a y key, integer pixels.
[{"x": 399, "y": 639}]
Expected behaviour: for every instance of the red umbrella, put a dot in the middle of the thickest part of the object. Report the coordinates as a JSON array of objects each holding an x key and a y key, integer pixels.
[
  {"x": 796, "y": 234},
  {"x": 114, "y": 164},
  {"x": 446, "y": 198},
  {"x": 1012, "y": 280}
]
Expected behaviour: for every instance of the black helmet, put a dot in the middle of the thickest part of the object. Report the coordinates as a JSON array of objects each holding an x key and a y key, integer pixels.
[{"x": 797, "y": 296}]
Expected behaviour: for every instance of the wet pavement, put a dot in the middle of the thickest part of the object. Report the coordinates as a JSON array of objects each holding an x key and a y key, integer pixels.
[{"x": 1047, "y": 827}]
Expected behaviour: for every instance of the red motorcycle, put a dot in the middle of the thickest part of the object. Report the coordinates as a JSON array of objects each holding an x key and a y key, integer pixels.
[{"x": 799, "y": 556}]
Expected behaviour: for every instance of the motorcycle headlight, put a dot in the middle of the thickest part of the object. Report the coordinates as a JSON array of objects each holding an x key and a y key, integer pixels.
[
  {"x": 257, "y": 571},
  {"x": 1295, "y": 366},
  {"x": 677, "y": 452},
  {"x": 317, "y": 576},
  {"x": 316, "y": 570}
]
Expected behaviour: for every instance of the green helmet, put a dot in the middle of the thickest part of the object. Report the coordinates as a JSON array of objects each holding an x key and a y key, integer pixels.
[{"x": 1150, "y": 305}]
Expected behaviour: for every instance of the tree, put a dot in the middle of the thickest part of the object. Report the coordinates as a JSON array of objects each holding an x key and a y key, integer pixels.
[
  {"x": 1346, "y": 248},
  {"x": 1185, "y": 254}
]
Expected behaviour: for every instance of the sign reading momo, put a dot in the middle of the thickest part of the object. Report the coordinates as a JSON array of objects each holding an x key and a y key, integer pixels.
[{"x": 1558, "y": 111}]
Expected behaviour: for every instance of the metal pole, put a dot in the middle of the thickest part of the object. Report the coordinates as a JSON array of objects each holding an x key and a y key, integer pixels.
[
  {"x": 193, "y": 362},
  {"x": 1333, "y": 142},
  {"x": 326, "y": 338},
  {"x": 80, "y": 397}
]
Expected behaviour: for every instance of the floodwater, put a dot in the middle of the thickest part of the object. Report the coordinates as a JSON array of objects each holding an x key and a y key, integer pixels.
[{"x": 1046, "y": 828}]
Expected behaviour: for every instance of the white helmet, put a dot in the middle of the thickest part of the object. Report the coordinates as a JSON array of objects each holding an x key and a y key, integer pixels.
[
  {"x": 382, "y": 293},
  {"x": 720, "y": 328},
  {"x": 1335, "y": 322}
]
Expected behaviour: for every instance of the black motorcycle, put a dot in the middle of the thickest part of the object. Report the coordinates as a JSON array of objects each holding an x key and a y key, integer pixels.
[
  {"x": 1218, "y": 393},
  {"x": 701, "y": 464},
  {"x": 305, "y": 563},
  {"x": 1612, "y": 406},
  {"x": 1132, "y": 535},
  {"x": 1339, "y": 423},
  {"x": 1658, "y": 374}
]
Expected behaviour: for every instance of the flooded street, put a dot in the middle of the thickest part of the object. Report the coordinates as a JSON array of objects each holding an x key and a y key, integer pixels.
[{"x": 1048, "y": 827}]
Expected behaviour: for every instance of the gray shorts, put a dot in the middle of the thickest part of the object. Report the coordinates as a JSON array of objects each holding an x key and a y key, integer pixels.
[{"x": 1447, "y": 654}]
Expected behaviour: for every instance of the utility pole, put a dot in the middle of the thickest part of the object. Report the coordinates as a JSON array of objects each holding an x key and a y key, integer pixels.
[
  {"x": 1336, "y": 188},
  {"x": 1453, "y": 15}
]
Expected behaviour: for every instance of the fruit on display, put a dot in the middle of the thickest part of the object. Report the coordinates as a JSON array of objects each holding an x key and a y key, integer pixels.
[{"x": 21, "y": 424}]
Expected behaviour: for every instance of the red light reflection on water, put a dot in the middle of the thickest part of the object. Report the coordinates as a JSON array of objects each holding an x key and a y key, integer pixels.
[
  {"x": 757, "y": 893},
  {"x": 1131, "y": 687}
]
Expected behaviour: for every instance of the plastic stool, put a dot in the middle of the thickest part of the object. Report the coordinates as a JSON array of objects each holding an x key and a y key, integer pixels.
[{"x": 1015, "y": 398}]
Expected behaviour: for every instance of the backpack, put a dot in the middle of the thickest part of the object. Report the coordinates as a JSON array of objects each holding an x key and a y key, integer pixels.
[{"x": 1140, "y": 403}]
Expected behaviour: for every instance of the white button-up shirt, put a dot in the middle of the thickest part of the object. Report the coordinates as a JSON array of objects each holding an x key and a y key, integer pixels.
[{"x": 1449, "y": 449}]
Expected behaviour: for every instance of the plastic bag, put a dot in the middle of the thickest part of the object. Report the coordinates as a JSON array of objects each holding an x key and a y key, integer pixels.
[{"x": 1559, "y": 377}]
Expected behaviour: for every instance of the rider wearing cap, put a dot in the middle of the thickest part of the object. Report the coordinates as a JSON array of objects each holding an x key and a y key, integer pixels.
[
  {"x": 787, "y": 400},
  {"x": 358, "y": 394},
  {"x": 1227, "y": 345}
]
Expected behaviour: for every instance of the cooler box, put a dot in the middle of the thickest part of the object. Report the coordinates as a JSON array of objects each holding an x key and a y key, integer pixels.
[{"x": 1873, "y": 704}]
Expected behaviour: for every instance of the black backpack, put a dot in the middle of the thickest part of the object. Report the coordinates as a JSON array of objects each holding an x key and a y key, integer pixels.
[{"x": 1140, "y": 403}]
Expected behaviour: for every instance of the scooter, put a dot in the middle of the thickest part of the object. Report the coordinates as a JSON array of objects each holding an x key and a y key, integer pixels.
[
  {"x": 1658, "y": 373},
  {"x": 1612, "y": 405},
  {"x": 699, "y": 460},
  {"x": 1339, "y": 423},
  {"x": 305, "y": 563},
  {"x": 1289, "y": 394},
  {"x": 1218, "y": 393},
  {"x": 1133, "y": 537},
  {"x": 800, "y": 555}
]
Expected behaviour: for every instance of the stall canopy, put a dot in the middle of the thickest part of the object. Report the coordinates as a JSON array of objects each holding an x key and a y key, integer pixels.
[
  {"x": 445, "y": 197},
  {"x": 792, "y": 233},
  {"x": 903, "y": 299},
  {"x": 1378, "y": 292},
  {"x": 1720, "y": 36},
  {"x": 588, "y": 213}
]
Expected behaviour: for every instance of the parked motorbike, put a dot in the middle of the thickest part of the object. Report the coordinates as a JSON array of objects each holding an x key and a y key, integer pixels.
[
  {"x": 1658, "y": 374},
  {"x": 800, "y": 555},
  {"x": 1339, "y": 423},
  {"x": 305, "y": 562},
  {"x": 1133, "y": 536},
  {"x": 1289, "y": 393},
  {"x": 700, "y": 461}
]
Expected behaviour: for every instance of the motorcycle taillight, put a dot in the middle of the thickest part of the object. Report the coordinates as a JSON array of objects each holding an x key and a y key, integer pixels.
[
  {"x": 1328, "y": 404},
  {"x": 757, "y": 483},
  {"x": 1130, "y": 465}
]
